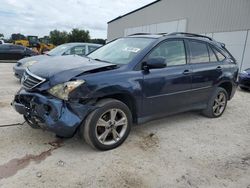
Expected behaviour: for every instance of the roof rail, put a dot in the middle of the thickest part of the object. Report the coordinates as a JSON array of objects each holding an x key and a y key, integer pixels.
[
  {"x": 191, "y": 35},
  {"x": 148, "y": 34}
]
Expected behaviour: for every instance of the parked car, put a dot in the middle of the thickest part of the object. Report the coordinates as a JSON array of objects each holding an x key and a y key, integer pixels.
[
  {"x": 128, "y": 81},
  {"x": 12, "y": 53},
  {"x": 65, "y": 49},
  {"x": 2, "y": 42},
  {"x": 244, "y": 79}
]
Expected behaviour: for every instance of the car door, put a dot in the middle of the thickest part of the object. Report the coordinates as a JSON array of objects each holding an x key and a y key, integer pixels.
[
  {"x": 16, "y": 52},
  {"x": 206, "y": 71},
  {"x": 166, "y": 90}
]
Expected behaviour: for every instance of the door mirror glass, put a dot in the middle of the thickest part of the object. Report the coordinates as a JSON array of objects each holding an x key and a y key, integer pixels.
[{"x": 156, "y": 63}]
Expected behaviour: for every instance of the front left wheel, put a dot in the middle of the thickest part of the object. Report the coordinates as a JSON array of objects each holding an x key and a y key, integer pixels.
[{"x": 108, "y": 126}]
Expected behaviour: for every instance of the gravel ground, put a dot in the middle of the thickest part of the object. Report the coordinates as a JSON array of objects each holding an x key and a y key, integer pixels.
[{"x": 185, "y": 150}]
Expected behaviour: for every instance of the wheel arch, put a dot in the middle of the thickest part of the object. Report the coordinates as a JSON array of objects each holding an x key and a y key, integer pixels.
[
  {"x": 228, "y": 86},
  {"x": 127, "y": 99}
]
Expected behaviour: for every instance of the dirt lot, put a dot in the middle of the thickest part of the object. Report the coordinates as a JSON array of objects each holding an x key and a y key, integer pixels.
[{"x": 185, "y": 150}]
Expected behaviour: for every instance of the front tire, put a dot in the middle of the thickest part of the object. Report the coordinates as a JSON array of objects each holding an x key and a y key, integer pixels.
[
  {"x": 31, "y": 122},
  {"x": 217, "y": 104},
  {"x": 108, "y": 126}
]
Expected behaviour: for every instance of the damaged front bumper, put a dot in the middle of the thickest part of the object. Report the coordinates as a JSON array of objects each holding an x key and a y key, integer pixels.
[{"x": 50, "y": 113}]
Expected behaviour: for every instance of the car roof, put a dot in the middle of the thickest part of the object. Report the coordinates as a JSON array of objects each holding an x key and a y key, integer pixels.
[
  {"x": 81, "y": 43},
  {"x": 180, "y": 35}
]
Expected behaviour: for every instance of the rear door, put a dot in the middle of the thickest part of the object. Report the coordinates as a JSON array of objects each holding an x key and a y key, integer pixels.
[
  {"x": 166, "y": 90},
  {"x": 207, "y": 70}
]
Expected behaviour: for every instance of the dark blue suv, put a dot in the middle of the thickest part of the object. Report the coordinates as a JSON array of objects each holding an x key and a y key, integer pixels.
[{"x": 130, "y": 80}]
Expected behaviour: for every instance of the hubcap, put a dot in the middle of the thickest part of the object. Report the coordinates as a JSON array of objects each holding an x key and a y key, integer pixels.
[
  {"x": 219, "y": 104},
  {"x": 111, "y": 126}
]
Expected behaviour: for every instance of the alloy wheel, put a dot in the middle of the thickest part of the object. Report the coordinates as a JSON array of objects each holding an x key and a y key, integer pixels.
[
  {"x": 111, "y": 126},
  {"x": 219, "y": 104}
]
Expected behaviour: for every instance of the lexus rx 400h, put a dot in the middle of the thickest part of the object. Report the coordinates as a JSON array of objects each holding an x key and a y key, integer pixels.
[{"x": 128, "y": 81}]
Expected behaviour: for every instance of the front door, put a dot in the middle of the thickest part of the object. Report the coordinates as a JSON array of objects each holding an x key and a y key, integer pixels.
[{"x": 166, "y": 90}]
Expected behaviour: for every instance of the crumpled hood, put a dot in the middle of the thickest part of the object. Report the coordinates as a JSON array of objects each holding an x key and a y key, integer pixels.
[{"x": 63, "y": 68}]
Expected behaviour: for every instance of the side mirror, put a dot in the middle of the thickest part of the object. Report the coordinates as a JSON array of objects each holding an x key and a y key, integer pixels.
[{"x": 154, "y": 63}]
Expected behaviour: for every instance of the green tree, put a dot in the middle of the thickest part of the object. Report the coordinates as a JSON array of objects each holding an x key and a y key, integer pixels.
[
  {"x": 78, "y": 35},
  {"x": 98, "y": 41},
  {"x": 17, "y": 36},
  {"x": 58, "y": 37},
  {"x": 1, "y": 35}
]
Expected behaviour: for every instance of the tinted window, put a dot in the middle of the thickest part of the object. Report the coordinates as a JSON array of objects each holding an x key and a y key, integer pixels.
[
  {"x": 172, "y": 51},
  {"x": 219, "y": 55},
  {"x": 92, "y": 48},
  {"x": 199, "y": 52},
  {"x": 212, "y": 55}
]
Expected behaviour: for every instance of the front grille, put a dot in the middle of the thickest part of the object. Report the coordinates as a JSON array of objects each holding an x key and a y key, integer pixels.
[{"x": 30, "y": 81}]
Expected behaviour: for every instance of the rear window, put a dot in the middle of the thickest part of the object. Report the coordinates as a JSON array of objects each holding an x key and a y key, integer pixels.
[
  {"x": 212, "y": 55},
  {"x": 219, "y": 55},
  {"x": 199, "y": 52}
]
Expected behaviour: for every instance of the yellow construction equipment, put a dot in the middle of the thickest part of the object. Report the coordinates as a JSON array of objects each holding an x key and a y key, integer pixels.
[
  {"x": 45, "y": 45},
  {"x": 39, "y": 45}
]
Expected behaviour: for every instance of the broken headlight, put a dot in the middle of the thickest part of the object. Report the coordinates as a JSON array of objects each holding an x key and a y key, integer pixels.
[{"x": 63, "y": 90}]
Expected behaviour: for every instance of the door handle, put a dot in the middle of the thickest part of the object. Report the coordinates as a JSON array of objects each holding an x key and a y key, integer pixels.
[
  {"x": 186, "y": 72},
  {"x": 219, "y": 68}
]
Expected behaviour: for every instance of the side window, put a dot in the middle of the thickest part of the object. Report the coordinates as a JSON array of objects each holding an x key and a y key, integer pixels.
[
  {"x": 199, "y": 52},
  {"x": 92, "y": 48},
  {"x": 4, "y": 48},
  {"x": 212, "y": 55},
  {"x": 78, "y": 50},
  {"x": 219, "y": 55},
  {"x": 173, "y": 52}
]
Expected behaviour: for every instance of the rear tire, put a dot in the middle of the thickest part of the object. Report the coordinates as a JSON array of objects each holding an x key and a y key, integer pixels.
[
  {"x": 108, "y": 126},
  {"x": 217, "y": 104}
]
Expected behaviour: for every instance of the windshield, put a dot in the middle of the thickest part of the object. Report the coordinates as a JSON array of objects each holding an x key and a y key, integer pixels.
[
  {"x": 59, "y": 50},
  {"x": 121, "y": 51},
  {"x": 32, "y": 39}
]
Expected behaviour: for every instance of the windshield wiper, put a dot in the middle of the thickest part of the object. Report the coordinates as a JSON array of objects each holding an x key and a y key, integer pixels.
[{"x": 102, "y": 60}]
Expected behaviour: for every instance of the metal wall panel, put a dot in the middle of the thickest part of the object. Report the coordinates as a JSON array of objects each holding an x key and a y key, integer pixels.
[
  {"x": 225, "y": 20},
  {"x": 203, "y": 16},
  {"x": 235, "y": 42},
  {"x": 246, "y": 58},
  {"x": 166, "y": 27}
]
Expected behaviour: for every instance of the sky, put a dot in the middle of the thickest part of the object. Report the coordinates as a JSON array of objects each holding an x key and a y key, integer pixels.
[{"x": 39, "y": 17}]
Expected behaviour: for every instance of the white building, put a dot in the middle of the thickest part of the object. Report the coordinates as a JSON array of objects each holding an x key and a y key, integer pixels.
[{"x": 227, "y": 21}]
